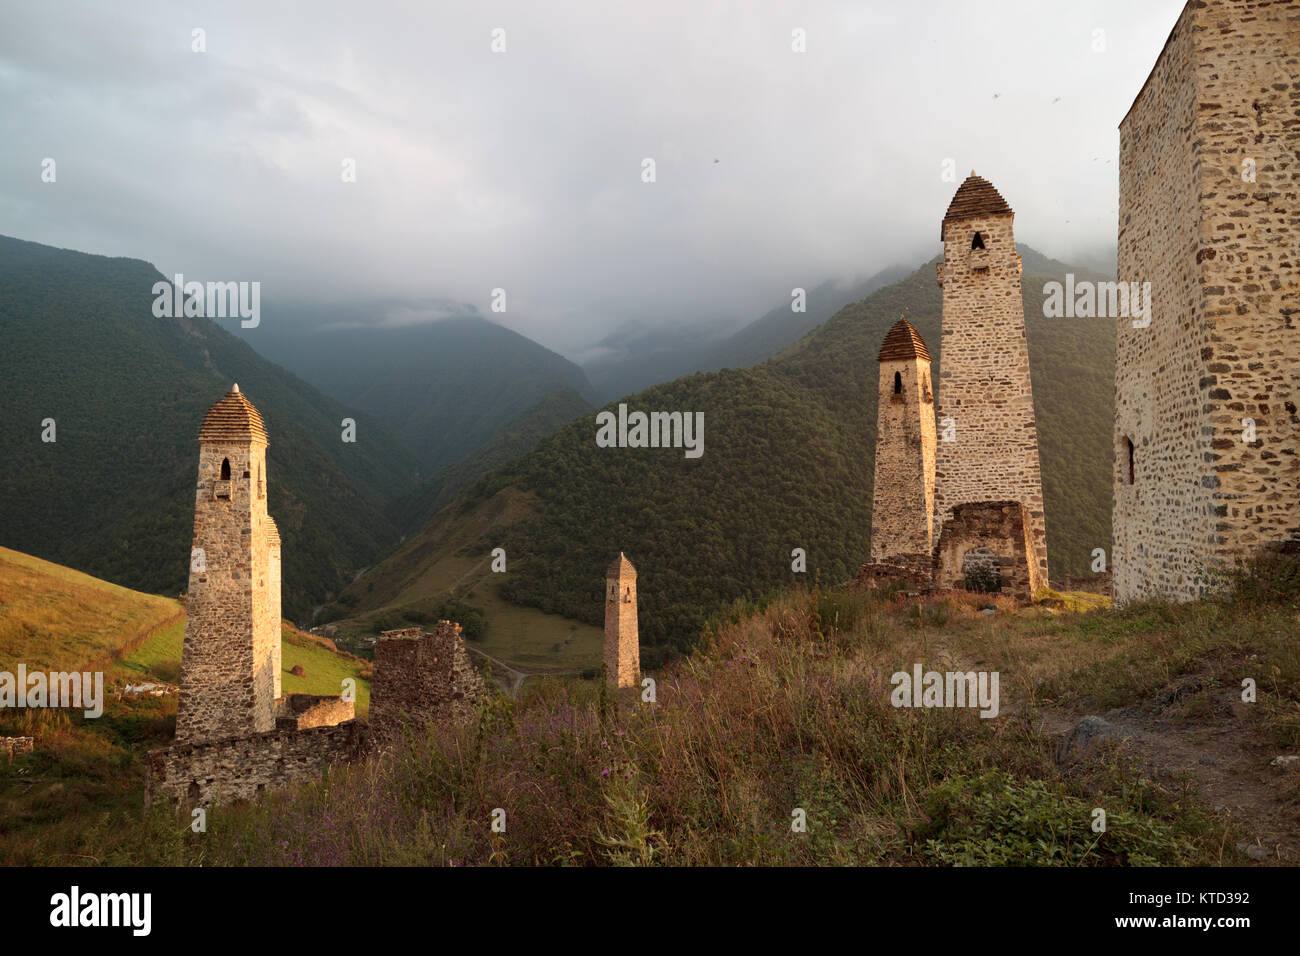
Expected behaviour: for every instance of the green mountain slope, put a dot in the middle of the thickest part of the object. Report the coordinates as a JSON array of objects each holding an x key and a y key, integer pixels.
[
  {"x": 413, "y": 510},
  {"x": 114, "y": 494},
  {"x": 788, "y": 463}
]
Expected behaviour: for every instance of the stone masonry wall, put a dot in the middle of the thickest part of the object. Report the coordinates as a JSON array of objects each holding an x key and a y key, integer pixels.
[
  {"x": 422, "y": 678},
  {"x": 902, "y": 505},
  {"x": 1220, "y": 254},
  {"x": 1003, "y": 527},
  {"x": 984, "y": 381},
  {"x": 222, "y": 771}
]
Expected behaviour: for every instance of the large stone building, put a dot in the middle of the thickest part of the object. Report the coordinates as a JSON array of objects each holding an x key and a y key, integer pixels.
[
  {"x": 965, "y": 510},
  {"x": 230, "y": 665},
  {"x": 622, "y": 641},
  {"x": 989, "y": 446},
  {"x": 1207, "y": 438}
]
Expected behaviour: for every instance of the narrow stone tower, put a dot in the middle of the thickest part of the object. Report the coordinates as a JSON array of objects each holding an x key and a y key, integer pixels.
[
  {"x": 986, "y": 404},
  {"x": 1207, "y": 383},
  {"x": 622, "y": 645},
  {"x": 230, "y": 662},
  {"x": 902, "y": 505}
]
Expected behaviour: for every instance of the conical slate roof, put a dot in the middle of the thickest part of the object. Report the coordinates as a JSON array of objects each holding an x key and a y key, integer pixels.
[
  {"x": 619, "y": 566},
  {"x": 233, "y": 419},
  {"x": 975, "y": 197},
  {"x": 903, "y": 342}
]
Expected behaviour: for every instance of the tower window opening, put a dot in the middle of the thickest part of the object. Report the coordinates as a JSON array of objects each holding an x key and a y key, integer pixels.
[
  {"x": 977, "y": 242},
  {"x": 1128, "y": 445},
  {"x": 898, "y": 383},
  {"x": 225, "y": 469},
  {"x": 627, "y": 596}
]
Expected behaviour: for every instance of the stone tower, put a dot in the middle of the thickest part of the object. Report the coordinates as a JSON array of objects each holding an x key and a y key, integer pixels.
[
  {"x": 902, "y": 506},
  {"x": 622, "y": 645},
  {"x": 230, "y": 663},
  {"x": 1207, "y": 438},
  {"x": 986, "y": 403}
]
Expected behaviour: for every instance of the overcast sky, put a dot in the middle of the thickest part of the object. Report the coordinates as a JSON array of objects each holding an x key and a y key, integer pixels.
[{"x": 523, "y": 169}]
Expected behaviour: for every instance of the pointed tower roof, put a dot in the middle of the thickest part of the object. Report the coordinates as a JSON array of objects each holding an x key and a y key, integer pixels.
[
  {"x": 619, "y": 566},
  {"x": 233, "y": 419},
  {"x": 903, "y": 342},
  {"x": 975, "y": 197}
]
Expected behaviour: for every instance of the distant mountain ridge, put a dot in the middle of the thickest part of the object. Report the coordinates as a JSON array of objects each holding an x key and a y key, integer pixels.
[
  {"x": 445, "y": 386},
  {"x": 649, "y": 357}
]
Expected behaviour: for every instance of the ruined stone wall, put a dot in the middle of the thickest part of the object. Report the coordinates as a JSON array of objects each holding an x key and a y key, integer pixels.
[
  {"x": 422, "y": 678},
  {"x": 1220, "y": 254},
  {"x": 622, "y": 638},
  {"x": 304, "y": 711},
  {"x": 228, "y": 675},
  {"x": 1003, "y": 527},
  {"x": 222, "y": 771},
  {"x": 902, "y": 506},
  {"x": 911, "y": 571},
  {"x": 984, "y": 384}
]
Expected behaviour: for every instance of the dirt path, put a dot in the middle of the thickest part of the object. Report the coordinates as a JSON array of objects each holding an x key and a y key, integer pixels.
[
  {"x": 514, "y": 675},
  {"x": 1221, "y": 752},
  {"x": 1218, "y": 746}
]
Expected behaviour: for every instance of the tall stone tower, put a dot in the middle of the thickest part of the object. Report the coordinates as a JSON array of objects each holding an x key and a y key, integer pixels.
[
  {"x": 622, "y": 644},
  {"x": 1207, "y": 438},
  {"x": 902, "y": 506},
  {"x": 230, "y": 663},
  {"x": 986, "y": 404}
]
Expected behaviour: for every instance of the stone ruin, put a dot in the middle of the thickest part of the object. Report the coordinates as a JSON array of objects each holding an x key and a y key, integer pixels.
[
  {"x": 236, "y": 734},
  {"x": 14, "y": 746},
  {"x": 421, "y": 678}
]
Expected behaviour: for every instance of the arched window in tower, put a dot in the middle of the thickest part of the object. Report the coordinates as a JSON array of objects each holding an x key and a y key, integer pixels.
[
  {"x": 627, "y": 596},
  {"x": 898, "y": 383},
  {"x": 977, "y": 242},
  {"x": 1128, "y": 443},
  {"x": 225, "y": 469}
]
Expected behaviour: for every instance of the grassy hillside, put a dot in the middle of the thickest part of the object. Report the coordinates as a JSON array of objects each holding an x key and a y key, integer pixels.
[
  {"x": 52, "y": 617},
  {"x": 55, "y": 801},
  {"x": 114, "y": 494},
  {"x": 788, "y": 463}
]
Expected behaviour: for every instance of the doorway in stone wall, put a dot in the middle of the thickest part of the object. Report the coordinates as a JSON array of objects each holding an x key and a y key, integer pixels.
[{"x": 979, "y": 566}]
